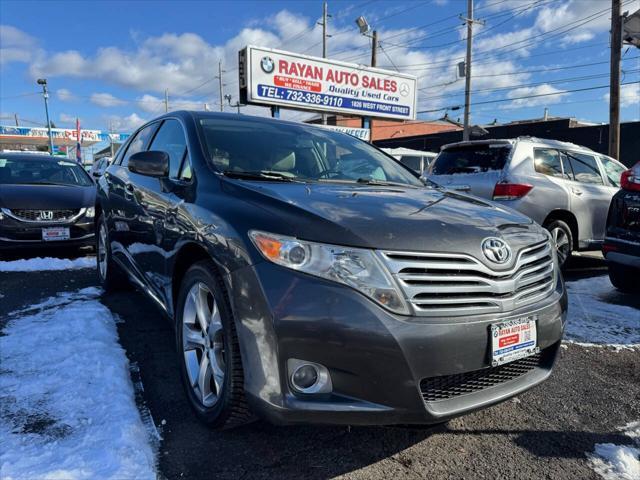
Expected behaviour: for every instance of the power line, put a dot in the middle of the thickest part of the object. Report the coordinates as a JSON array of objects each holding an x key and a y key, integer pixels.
[{"x": 525, "y": 97}]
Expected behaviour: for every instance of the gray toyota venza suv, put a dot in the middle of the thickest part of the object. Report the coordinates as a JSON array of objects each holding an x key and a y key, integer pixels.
[{"x": 312, "y": 278}]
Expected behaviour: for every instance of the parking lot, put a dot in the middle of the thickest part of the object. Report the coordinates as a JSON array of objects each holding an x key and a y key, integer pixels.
[{"x": 560, "y": 429}]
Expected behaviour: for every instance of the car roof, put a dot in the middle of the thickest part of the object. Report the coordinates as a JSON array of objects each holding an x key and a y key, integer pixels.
[
  {"x": 407, "y": 151},
  {"x": 513, "y": 141},
  {"x": 200, "y": 114},
  {"x": 29, "y": 156}
]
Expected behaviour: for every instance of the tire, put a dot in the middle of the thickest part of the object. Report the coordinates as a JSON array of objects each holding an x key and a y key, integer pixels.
[
  {"x": 624, "y": 278},
  {"x": 110, "y": 274},
  {"x": 208, "y": 349},
  {"x": 562, "y": 236}
]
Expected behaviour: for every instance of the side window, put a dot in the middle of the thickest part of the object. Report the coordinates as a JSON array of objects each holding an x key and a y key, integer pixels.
[
  {"x": 548, "y": 162},
  {"x": 411, "y": 161},
  {"x": 585, "y": 168},
  {"x": 185, "y": 173},
  {"x": 613, "y": 170},
  {"x": 170, "y": 138},
  {"x": 139, "y": 142}
]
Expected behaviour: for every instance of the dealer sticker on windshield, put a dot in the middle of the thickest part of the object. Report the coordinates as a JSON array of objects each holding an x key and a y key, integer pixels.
[{"x": 513, "y": 340}]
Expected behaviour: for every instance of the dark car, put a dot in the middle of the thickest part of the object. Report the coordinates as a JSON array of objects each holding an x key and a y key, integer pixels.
[
  {"x": 312, "y": 278},
  {"x": 622, "y": 242},
  {"x": 45, "y": 202}
]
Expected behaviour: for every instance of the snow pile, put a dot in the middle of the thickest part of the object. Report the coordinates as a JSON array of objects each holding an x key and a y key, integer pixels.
[
  {"x": 594, "y": 320},
  {"x": 48, "y": 263},
  {"x": 618, "y": 462},
  {"x": 67, "y": 406}
]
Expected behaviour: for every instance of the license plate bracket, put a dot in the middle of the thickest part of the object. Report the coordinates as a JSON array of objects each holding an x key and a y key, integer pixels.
[
  {"x": 514, "y": 339},
  {"x": 53, "y": 234}
]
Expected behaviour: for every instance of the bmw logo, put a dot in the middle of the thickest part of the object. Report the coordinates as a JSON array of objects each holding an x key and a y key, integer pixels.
[{"x": 267, "y": 65}]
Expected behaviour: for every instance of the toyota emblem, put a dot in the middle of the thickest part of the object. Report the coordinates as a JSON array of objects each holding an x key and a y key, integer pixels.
[{"x": 496, "y": 250}]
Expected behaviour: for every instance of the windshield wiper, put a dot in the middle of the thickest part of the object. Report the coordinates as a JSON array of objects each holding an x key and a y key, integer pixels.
[
  {"x": 260, "y": 175},
  {"x": 373, "y": 181}
]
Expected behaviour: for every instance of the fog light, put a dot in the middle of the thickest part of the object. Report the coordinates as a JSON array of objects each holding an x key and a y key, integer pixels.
[
  {"x": 308, "y": 377},
  {"x": 305, "y": 377}
]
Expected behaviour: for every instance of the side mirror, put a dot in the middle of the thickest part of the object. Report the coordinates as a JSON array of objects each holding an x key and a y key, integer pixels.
[{"x": 152, "y": 163}]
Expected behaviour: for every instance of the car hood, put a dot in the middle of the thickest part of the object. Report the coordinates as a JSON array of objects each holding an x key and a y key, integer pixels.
[
  {"x": 50, "y": 197},
  {"x": 395, "y": 218}
]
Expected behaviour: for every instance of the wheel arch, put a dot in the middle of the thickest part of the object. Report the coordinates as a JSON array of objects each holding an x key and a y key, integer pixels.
[
  {"x": 187, "y": 255},
  {"x": 567, "y": 217}
]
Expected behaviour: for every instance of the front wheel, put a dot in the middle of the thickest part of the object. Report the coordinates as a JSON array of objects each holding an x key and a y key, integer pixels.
[
  {"x": 562, "y": 238},
  {"x": 110, "y": 275},
  {"x": 208, "y": 350}
]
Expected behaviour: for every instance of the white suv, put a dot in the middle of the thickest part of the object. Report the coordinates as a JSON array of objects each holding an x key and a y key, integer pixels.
[{"x": 564, "y": 187}]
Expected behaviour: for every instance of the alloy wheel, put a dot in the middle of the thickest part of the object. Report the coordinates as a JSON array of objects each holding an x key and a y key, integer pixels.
[
  {"x": 561, "y": 242},
  {"x": 203, "y": 344},
  {"x": 102, "y": 251}
]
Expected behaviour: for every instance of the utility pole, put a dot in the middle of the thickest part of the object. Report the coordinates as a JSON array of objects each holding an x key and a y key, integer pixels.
[
  {"x": 467, "y": 70},
  {"x": 614, "y": 82},
  {"x": 45, "y": 95},
  {"x": 220, "y": 84},
  {"x": 374, "y": 48},
  {"x": 324, "y": 43},
  {"x": 166, "y": 100},
  {"x": 15, "y": 116}
]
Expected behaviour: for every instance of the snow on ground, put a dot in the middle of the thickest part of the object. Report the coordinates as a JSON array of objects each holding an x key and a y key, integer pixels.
[
  {"x": 618, "y": 462},
  {"x": 67, "y": 408},
  {"x": 48, "y": 263},
  {"x": 594, "y": 320}
]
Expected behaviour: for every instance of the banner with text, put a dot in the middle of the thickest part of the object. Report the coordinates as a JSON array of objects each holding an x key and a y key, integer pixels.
[{"x": 274, "y": 77}]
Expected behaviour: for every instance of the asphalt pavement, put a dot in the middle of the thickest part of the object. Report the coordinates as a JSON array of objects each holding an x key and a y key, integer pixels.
[{"x": 544, "y": 433}]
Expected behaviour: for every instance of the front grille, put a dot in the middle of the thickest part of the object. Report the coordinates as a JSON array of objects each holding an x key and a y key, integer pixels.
[
  {"x": 45, "y": 215},
  {"x": 449, "y": 386},
  {"x": 442, "y": 284}
]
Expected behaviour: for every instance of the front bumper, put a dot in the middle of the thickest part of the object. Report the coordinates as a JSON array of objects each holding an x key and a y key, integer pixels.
[
  {"x": 377, "y": 360},
  {"x": 18, "y": 235}
]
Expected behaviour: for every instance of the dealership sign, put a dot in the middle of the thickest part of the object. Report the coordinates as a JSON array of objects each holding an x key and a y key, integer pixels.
[
  {"x": 274, "y": 77},
  {"x": 60, "y": 135}
]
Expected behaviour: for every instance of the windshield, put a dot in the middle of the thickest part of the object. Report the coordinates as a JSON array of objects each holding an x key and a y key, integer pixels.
[
  {"x": 471, "y": 159},
  {"x": 281, "y": 151},
  {"x": 45, "y": 171}
]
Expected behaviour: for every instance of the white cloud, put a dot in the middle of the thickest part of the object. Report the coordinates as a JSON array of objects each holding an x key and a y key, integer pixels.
[
  {"x": 106, "y": 100},
  {"x": 15, "y": 45},
  {"x": 66, "y": 118},
  {"x": 629, "y": 96},
  {"x": 64, "y": 95},
  {"x": 124, "y": 124},
  {"x": 545, "y": 89},
  {"x": 153, "y": 104}
]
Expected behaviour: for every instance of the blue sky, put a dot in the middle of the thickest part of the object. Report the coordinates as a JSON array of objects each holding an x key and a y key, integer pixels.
[{"x": 109, "y": 62}]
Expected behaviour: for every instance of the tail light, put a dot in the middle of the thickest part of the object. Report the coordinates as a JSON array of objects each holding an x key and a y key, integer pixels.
[
  {"x": 630, "y": 179},
  {"x": 510, "y": 191}
]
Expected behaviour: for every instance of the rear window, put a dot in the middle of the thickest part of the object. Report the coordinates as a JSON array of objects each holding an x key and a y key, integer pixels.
[{"x": 471, "y": 159}]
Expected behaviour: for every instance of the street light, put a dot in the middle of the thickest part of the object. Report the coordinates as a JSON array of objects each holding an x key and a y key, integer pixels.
[
  {"x": 228, "y": 98},
  {"x": 45, "y": 94},
  {"x": 363, "y": 25}
]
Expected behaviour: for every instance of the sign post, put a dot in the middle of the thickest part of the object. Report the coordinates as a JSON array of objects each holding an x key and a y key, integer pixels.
[{"x": 282, "y": 79}]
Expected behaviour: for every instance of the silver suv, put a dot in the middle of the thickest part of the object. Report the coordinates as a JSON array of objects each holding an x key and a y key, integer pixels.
[{"x": 564, "y": 187}]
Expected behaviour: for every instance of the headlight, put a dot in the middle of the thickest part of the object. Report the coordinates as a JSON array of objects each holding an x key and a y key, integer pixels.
[
  {"x": 90, "y": 213},
  {"x": 356, "y": 267}
]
